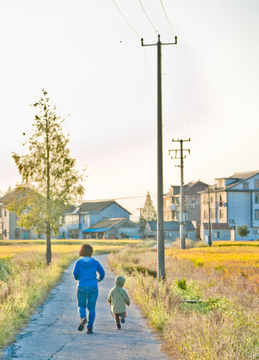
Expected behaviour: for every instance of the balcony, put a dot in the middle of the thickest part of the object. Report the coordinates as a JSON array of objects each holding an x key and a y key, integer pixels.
[{"x": 73, "y": 226}]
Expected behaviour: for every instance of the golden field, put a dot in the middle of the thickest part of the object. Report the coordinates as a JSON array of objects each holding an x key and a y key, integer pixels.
[
  {"x": 218, "y": 255},
  {"x": 222, "y": 283},
  {"x": 18, "y": 247}
]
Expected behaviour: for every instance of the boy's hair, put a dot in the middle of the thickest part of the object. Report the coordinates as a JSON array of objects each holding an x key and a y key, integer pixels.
[{"x": 86, "y": 250}]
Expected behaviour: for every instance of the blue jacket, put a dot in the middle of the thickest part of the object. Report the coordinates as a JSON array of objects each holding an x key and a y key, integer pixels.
[{"x": 85, "y": 272}]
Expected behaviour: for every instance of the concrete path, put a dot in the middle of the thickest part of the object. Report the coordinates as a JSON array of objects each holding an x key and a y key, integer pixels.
[{"x": 52, "y": 332}]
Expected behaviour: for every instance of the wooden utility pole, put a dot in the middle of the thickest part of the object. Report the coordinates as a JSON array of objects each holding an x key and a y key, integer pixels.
[
  {"x": 182, "y": 222},
  {"x": 160, "y": 215}
]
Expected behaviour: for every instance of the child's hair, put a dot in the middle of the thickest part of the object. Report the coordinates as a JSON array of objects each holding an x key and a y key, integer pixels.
[{"x": 86, "y": 250}]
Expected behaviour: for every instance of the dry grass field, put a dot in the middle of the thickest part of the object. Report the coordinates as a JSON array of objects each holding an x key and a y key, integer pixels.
[
  {"x": 224, "y": 282},
  {"x": 8, "y": 249},
  {"x": 25, "y": 279}
]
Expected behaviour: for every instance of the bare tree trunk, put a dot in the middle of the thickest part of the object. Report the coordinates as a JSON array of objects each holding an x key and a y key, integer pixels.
[
  {"x": 48, "y": 249},
  {"x": 48, "y": 231}
]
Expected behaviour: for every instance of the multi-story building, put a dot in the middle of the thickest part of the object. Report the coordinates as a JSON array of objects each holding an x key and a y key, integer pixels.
[
  {"x": 233, "y": 201},
  {"x": 192, "y": 210}
]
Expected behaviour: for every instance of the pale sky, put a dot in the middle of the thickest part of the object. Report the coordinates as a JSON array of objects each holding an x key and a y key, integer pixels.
[{"x": 91, "y": 62}]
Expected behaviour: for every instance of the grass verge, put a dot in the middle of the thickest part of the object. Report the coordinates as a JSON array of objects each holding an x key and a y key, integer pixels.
[
  {"x": 222, "y": 324},
  {"x": 25, "y": 283},
  {"x": 26, "y": 280}
]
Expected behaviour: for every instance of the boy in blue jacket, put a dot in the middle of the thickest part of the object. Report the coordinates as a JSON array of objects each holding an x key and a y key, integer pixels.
[{"x": 87, "y": 289}]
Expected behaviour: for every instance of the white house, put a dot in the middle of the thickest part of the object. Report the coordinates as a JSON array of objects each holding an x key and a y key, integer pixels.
[
  {"x": 79, "y": 219},
  {"x": 233, "y": 201},
  {"x": 9, "y": 229},
  {"x": 171, "y": 230}
]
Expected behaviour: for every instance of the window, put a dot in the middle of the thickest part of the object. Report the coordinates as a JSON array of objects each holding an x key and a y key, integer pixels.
[
  {"x": 220, "y": 197},
  {"x": 257, "y": 198},
  {"x": 72, "y": 219},
  {"x": 256, "y": 214},
  {"x": 5, "y": 212},
  {"x": 246, "y": 185},
  {"x": 205, "y": 214},
  {"x": 85, "y": 218},
  {"x": 257, "y": 183},
  {"x": 169, "y": 234},
  {"x": 17, "y": 233},
  {"x": 221, "y": 214},
  {"x": 212, "y": 213},
  {"x": 216, "y": 235},
  {"x": 211, "y": 199}
]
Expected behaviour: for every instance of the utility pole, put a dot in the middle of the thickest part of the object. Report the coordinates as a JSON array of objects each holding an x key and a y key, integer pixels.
[
  {"x": 160, "y": 215},
  {"x": 182, "y": 227},
  {"x": 140, "y": 224},
  {"x": 209, "y": 242}
]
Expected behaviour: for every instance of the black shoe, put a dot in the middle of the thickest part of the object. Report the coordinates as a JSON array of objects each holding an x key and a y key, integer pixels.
[
  {"x": 122, "y": 318},
  {"x": 89, "y": 331},
  {"x": 118, "y": 327},
  {"x": 82, "y": 324}
]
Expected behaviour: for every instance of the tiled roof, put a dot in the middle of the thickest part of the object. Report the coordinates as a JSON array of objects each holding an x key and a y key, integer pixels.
[
  {"x": 92, "y": 206},
  {"x": 217, "y": 226},
  {"x": 16, "y": 194},
  {"x": 192, "y": 188},
  {"x": 240, "y": 177},
  {"x": 110, "y": 223},
  {"x": 171, "y": 225}
]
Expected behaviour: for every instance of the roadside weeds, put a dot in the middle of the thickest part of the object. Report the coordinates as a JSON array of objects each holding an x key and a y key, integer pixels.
[{"x": 224, "y": 326}]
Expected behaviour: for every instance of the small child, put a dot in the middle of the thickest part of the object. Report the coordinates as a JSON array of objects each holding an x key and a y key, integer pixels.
[{"x": 117, "y": 298}]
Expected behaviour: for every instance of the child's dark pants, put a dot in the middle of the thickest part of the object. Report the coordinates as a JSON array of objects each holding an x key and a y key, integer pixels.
[{"x": 117, "y": 319}]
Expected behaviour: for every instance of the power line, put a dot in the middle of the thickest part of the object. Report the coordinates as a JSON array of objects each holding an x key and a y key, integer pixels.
[
  {"x": 178, "y": 68},
  {"x": 167, "y": 91},
  {"x": 125, "y": 19},
  {"x": 147, "y": 16},
  {"x": 125, "y": 198},
  {"x": 166, "y": 16},
  {"x": 150, "y": 80},
  {"x": 180, "y": 90},
  {"x": 153, "y": 92}
]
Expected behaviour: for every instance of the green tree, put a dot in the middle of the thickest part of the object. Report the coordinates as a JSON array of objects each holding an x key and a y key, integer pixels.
[
  {"x": 148, "y": 212},
  {"x": 142, "y": 224},
  {"x": 243, "y": 231},
  {"x": 49, "y": 172}
]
